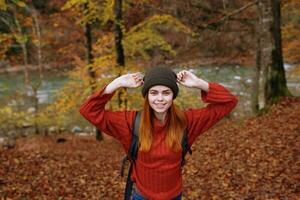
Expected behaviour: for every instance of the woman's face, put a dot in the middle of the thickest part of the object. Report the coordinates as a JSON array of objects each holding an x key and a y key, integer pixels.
[{"x": 160, "y": 98}]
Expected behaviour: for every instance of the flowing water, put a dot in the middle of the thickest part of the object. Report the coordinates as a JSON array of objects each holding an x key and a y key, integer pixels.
[
  {"x": 12, "y": 84},
  {"x": 237, "y": 79}
]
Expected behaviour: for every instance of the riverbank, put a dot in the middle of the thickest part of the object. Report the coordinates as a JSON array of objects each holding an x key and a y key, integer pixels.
[
  {"x": 187, "y": 59},
  {"x": 7, "y": 69}
]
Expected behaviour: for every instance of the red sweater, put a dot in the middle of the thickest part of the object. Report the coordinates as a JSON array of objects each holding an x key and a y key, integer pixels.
[{"x": 157, "y": 173}]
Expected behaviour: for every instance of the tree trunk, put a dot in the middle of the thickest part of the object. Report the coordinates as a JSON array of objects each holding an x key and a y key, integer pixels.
[
  {"x": 256, "y": 79},
  {"x": 120, "y": 58},
  {"x": 275, "y": 82},
  {"x": 25, "y": 60},
  {"x": 258, "y": 67},
  {"x": 36, "y": 105},
  {"x": 24, "y": 50},
  {"x": 39, "y": 39},
  {"x": 37, "y": 30},
  {"x": 90, "y": 58},
  {"x": 29, "y": 84}
]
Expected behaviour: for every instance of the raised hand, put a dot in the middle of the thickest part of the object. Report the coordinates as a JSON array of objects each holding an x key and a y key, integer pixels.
[
  {"x": 133, "y": 80},
  {"x": 188, "y": 79},
  {"x": 130, "y": 80}
]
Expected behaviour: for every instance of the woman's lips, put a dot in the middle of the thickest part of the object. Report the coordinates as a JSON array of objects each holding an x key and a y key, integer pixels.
[{"x": 160, "y": 105}]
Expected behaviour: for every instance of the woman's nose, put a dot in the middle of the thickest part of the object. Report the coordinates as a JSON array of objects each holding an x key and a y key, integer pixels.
[{"x": 160, "y": 97}]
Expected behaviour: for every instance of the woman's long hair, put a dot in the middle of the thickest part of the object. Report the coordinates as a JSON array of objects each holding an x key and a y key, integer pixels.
[{"x": 175, "y": 128}]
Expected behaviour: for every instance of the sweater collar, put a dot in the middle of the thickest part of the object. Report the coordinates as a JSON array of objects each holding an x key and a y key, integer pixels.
[{"x": 158, "y": 125}]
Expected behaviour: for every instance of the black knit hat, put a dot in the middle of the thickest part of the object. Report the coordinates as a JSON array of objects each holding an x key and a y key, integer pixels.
[{"x": 160, "y": 76}]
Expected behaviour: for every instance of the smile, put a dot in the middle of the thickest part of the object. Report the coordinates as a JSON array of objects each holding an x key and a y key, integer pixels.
[{"x": 160, "y": 105}]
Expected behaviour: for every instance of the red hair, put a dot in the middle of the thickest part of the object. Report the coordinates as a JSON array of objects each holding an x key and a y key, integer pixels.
[{"x": 174, "y": 130}]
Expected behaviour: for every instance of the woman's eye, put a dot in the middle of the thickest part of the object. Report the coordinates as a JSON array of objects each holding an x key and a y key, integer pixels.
[{"x": 153, "y": 92}]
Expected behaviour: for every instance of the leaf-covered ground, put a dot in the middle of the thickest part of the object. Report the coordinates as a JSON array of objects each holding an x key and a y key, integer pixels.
[{"x": 258, "y": 159}]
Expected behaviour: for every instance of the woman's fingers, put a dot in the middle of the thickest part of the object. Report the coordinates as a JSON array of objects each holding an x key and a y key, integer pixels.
[
  {"x": 137, "y": 74},
  {"x": 139, "y": 82},
  {"x": 181, "y": 75},
  {"x": 138, "y": 78}
]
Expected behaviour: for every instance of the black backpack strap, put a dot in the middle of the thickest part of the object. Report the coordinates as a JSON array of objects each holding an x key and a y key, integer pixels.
[
  {"x": 129, "y": 185},
  {"x": 133, "y": 149},
  {"x": 132, "y": 155},
  {"x": 185, "y": 147}
]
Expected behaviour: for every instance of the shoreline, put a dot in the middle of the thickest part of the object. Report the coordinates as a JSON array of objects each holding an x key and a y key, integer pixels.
[
  {"x": 192, "y": 63},
  {"x": 31, "y": 68},
  {"x": 201, "y": 62}
]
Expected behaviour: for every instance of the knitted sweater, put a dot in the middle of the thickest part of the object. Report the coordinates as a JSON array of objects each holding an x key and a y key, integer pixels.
[{"x": 157, "y": 173}]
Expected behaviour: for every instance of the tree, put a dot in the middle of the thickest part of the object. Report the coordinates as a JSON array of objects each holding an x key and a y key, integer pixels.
[
  {"x": 90, "y": 60},
  {"x": 120, "y": 58},
  {"x": 271, "y": 53},
  {"x": 9, "y": 16},
  {"x": 258, "y": 67},
  {"x": 15, "y": 16},
  {"x": 88, "y": 17}
]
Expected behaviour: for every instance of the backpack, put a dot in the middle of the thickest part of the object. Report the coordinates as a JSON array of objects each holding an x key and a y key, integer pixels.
[{"x": 133, "y": 151}]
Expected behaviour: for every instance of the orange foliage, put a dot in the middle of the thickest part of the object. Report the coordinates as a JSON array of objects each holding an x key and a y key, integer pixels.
[{"x": 291, "y": 30}]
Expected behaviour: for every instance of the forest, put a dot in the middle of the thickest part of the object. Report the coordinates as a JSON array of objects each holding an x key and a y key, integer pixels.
[{"x": 55, "y": 54}]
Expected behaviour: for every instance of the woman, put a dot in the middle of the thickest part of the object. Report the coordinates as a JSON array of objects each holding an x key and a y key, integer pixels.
[{"x": 157, "y": 170}]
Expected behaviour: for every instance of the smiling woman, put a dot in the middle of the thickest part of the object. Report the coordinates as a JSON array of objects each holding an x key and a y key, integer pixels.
[
  {"x": 157, "y": 169},
  {"x": 160, "y": 99}
]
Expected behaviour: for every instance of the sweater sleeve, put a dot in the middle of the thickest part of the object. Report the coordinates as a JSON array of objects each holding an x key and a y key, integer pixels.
[
  {"x": 220, "y": 103},
  {"x": 116, "y": 124}
]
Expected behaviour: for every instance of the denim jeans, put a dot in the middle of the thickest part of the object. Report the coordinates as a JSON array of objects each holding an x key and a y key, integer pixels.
[{"x": 136, "y": 196}]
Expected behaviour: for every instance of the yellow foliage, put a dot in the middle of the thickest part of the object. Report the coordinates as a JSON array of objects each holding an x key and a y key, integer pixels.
[
  {"x": 188, "y": 98},
  {"x": 21, "y": 39},
  {"x": 108, "y": 13},
  {"x": 105, "y": 44},
  {"x": 104, "y": 63},
  {"x": 140, "y": 39},
  {"x": 65, "y": 108},
  {"x": 5, "y": 43},
  {"x": 11, "y": 119},
  {"x": 294, "y": 72},
  {"x": 145, "y": 36},
  {"x": 146, "y": 39},
  {"x": 167, "y": 21},
  {"x": 20, "y": 3},
  {"x": 92, "y": 13},
  {"x": 27, "y": 21},
  {"x": 108, "y": 8},
  {"x": 89, "y": 10},
  {"x": 291, "y": 43},
  {"x": 73, "y": 3},
  {"x": 3, "y": 5},
  {"x": 291, "y": 31}
]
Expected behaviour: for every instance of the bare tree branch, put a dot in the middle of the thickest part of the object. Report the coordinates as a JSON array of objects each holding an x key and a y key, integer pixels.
[{"x": 235, "y": 12}]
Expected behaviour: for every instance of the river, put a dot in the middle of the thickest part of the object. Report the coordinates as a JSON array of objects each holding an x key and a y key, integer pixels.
[{"x": 237, "y": 79}]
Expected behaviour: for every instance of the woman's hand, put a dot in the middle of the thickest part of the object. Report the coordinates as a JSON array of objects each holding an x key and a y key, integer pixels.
[
  {"x": 130, "y": 80},
  {"x": 188, "y": 79},
  {"x": 127, "y": 81}
]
